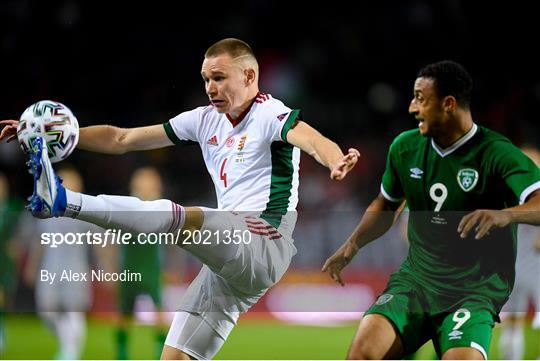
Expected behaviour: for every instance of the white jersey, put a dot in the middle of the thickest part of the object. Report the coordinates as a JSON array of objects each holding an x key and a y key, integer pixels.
[
  {"x": 64, "y": 294},
  {"x": 528, "y": 257},
  {"x": 251, "y": 164},
  {"x": 527, "y": 281}
]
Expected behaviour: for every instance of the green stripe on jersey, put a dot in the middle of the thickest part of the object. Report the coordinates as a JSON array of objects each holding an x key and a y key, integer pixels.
[
  {"x": 172, "y": 135},
  {"x": 280, "y": 183},
  {"x": 288, "y": 123}
]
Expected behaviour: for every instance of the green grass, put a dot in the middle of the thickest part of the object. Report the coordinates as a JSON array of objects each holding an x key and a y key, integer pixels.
[{"x": 27, "y": 338}]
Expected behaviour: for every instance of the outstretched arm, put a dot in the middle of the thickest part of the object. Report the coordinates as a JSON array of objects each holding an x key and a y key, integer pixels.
[
  {"x": 378, "y": 218},
  {"x": 114, "y": 140},
  {"x": 484, "y": 220},
  {"x": 322, "y": 149},
  {"x": 106, "y": 138}
]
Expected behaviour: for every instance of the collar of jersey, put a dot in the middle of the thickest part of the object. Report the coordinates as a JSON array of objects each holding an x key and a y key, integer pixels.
[
  {"x": 242, "y": 115},
  {"x": 458, "y": 143}
]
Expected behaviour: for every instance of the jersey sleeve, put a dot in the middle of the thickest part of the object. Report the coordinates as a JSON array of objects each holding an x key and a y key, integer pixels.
[
  {"x": 517, "y": 170},
  {"x": 280, "y": 119},
  {"x": 183, "y": 128},
  {"x": 391, "y": 187}
]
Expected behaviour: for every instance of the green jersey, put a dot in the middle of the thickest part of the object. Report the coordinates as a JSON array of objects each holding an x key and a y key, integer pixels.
[
  {"x": 143, "y": 258},
  {"x": 482, "y": 170}
]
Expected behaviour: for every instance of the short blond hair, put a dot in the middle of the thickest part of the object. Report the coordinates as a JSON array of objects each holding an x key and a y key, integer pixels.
[{"x": 235, "y": 48}]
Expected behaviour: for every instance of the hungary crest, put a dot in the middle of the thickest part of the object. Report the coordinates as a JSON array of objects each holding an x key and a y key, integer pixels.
[{"x": 467, "y": 179}]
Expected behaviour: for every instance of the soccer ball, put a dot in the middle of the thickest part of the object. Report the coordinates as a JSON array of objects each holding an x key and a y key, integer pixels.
[{"x": 53, "y": 122}]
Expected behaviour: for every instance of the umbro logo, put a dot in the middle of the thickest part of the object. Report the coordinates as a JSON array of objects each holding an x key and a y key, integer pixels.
[
  {"x": 455, "y": 335},
  {"x": 281, "y": 116},
  {"x": 383, "y": 299},
  {"x": 416, "y": 173},
  {"x": 212, "y": 141}
]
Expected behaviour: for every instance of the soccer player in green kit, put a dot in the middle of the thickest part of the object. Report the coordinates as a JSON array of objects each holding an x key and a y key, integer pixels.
[
  {"x": 146, "y": 184},
  {"x": 466, "y": 187}
]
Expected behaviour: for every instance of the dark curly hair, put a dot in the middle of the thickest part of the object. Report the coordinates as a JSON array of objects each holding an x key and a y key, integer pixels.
[{"x": 450, "y": 78}]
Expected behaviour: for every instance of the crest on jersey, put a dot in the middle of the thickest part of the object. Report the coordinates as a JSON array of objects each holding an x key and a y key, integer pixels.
[
  {"x": 242, "y": 143},
  {"x": 467, "y": 178}
]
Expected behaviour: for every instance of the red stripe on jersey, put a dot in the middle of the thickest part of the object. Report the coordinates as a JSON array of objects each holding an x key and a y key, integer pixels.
[
  {"x": 261, "y": 227},
  {"x": 253, "y": 222},
  {"x": 242, "y": 115},
  {"x": 270, "y": 237},
  {"x": 262, "y": 231},
  {"x": 176, "y": 211}
]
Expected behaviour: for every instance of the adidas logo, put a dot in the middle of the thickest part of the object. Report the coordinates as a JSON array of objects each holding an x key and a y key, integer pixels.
[
  {"x": 416, "y": 173},
  {"x": 212, "y": 141}
]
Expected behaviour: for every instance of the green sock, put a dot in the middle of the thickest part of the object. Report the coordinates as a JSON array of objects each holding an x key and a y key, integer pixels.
[
  {"x": 160, "y": 341},
  {"x": 2, "y": 334},
  {"x": 121, "y": 341}
]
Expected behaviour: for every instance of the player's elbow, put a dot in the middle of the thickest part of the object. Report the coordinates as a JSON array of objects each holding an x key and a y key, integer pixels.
[{"x": 122, "y": 141}]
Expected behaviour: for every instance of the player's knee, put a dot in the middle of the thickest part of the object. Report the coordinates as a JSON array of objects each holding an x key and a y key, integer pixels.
[
  {"x": 363, "y": 351},
  {"x": 171, "y": 353}
]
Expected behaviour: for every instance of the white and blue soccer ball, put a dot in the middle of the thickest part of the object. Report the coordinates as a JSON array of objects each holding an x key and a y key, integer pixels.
[{"x": 53, "y": 122}]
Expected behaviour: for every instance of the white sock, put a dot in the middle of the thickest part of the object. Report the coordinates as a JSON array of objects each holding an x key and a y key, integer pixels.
[
  {"x": 71, "y": 334},
  {"x": 51, "y": 320},
  {"x": 512, "y": 342},
  {"x": 127, "y": 213},
  {"x": 536, "y": 320},
  {"x": 73, "y": 206}
]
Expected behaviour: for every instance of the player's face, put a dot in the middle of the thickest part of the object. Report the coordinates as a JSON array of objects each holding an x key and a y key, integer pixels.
[
  {"x": 225, "y": 84},
  {"x": 427, "y": 108}
]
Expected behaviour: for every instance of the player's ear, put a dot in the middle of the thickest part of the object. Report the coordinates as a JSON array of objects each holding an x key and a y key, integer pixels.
[
  {"x": 249, "y": 76},
  {"x": 449, "y": 103}
]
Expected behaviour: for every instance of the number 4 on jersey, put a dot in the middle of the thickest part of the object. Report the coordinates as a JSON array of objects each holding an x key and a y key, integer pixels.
[{"x": 222, "y": 174}]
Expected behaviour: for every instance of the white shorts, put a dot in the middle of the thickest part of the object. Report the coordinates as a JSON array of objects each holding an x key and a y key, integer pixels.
[
  {"x": 235, "y": 276},
  {"x": 191, "y": 334}
]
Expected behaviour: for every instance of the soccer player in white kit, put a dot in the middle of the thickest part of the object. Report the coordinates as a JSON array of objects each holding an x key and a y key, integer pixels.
[
  {"x": 61, "y": 304},
  {"x": 251, "y": 146},
  {"x": 526, "y": 287}
]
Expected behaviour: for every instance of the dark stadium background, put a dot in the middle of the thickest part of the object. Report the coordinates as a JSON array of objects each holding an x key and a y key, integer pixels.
[
  {"x": 131, "y": 64},
  {"x": 349, "y": 67}
]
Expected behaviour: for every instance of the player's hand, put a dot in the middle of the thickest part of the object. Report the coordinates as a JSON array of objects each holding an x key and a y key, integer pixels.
[
  {"x": 9, "y": 130},
  {"x": 483, "y": 221},
  {"x": 335, "y": 264},
  {"x": 340, "y": 170}
]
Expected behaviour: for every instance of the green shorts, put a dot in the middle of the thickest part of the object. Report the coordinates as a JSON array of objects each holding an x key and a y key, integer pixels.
[{"x": 468, "y": 325}]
